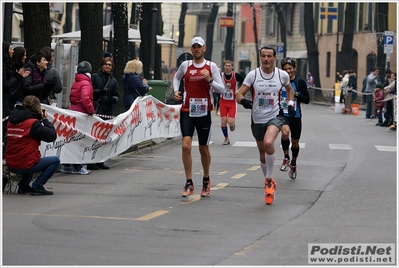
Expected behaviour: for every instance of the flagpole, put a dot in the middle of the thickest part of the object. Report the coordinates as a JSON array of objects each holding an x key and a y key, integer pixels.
[{"x": 336, "y": 51}]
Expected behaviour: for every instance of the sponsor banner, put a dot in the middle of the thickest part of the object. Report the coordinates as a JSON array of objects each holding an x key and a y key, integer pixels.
[
  {"x": 352, "y": 253},
  {"x": 84, "y": 139}
]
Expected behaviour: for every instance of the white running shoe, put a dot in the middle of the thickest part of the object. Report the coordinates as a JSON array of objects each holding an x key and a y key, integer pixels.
[
  {"x": 285, "y": 165},
  {"x": 226, "y": 141},
  {"x": 83, "y": 171}
]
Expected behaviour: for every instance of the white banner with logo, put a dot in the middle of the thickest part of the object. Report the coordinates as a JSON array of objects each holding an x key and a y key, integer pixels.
[{"x": 84, "y": 139}]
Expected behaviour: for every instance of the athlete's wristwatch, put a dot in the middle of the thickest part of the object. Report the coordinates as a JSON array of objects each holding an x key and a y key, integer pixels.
[{"x": 210, "y": 81}]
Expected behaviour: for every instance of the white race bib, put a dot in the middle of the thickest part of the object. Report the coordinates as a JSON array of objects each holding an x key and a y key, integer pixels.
[{"x": 198, "y": 107}]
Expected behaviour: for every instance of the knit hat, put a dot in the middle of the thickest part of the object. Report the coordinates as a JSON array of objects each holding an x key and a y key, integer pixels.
[
  {"x": 371, "y": 69},
  {"x": 84, "y": 67},
  {"x": 378, "y": 86}
]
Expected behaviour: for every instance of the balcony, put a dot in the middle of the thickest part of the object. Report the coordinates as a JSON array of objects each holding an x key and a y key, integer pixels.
[{"x": 199, "y": 8}]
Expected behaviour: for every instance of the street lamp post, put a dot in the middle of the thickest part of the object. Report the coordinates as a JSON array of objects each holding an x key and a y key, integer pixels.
[{"x": 154, "y": 11}]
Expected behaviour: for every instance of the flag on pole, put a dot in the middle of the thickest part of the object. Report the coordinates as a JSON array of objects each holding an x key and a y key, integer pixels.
[{"x": 331, "y": 13}]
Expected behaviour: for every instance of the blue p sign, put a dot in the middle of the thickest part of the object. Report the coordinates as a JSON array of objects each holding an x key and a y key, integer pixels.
[
  {"x": 280, "y": 49},
  {"x": 388, "y": 39}
]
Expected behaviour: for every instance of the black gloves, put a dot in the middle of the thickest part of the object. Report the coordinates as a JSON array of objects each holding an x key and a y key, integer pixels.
[
  {"x": 247, "y": 104},
  {"x": 291, "y": 111},
  {"x": 48, "y": 85}
]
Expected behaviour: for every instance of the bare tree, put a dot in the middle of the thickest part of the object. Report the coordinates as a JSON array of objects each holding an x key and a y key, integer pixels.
[
  {"x": 311, "y": 46},
  {"x": 381, "y": 27},
  {"x": 210, "y": 26},
  {"x": 120, "y": 45},
  {"x": 145, "y": 46},
  {"x": 228, "y": 52},
  {"x": 182, "y": 17},
  {"x": 281, "y": 20},
  {"x": 91, "y": 25},
  {"x": 255, "y": 32},
  {"x": 347, "y": 40},
  {"x": 37, "y": 28}
]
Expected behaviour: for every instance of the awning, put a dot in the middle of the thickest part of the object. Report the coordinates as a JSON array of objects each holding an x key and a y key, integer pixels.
[
  {"x": 133, "y": 36},
  {"x": 297, "y": 54}
]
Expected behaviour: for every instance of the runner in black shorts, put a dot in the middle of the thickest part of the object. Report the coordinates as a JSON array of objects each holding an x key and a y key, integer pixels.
[
  {"x": 199, "y": 76},
  {"x": 295, "y": 123},
  {"x": 201, "y": 124}
]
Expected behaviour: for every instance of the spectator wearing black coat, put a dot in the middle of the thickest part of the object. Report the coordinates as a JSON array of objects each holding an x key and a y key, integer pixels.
[
  {"x": 133, "y": 85},
  {"x": 106, "y": 89},
  {"x": 105, "y": 94}
]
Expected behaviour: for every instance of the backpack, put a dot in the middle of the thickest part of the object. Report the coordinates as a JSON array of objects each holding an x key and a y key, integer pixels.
[{"x": 364, "y": 84}]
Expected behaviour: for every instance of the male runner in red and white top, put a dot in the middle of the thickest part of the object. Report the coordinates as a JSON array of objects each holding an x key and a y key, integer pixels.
[
  {"x": 195, "y": 113},
  {"x": 228, "y": 104}
]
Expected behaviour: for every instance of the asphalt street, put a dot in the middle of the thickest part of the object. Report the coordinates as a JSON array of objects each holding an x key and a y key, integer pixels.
[{"x": 133, "y": 214}]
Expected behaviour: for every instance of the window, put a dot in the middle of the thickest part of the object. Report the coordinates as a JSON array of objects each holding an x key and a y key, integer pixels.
[
  {"x": 360, "y": 14},
  {"x": 270, "y": 21},
  {"x": 243, "y": 25},
  {"x": 330, "y": 22},
  {"x": 328, "y": 65},
  {"x": 316, "y": 18},
  {"x": 77, "y": 22},
  {"x": 301, "y": 19},
  {"x": 341, "y": 9}
]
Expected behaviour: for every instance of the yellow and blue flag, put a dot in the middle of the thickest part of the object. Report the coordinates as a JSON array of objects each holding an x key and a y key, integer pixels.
[{"x": 331, "y": 13}]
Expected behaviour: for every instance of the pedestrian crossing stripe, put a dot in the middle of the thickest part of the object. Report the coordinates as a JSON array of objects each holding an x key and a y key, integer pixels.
[
  {"x": 332, "y": 146},
  {"x": 383, "y": 148},
  {"x": 340, "y": 146}
]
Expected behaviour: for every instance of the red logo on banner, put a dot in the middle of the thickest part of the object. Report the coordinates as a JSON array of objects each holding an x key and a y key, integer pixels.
[
  {"x": 148, "y": 109},
  {"x": 64, "y": 125},
  {"x": 135, "y": 116},
  {"x": 101, "y": 130}
]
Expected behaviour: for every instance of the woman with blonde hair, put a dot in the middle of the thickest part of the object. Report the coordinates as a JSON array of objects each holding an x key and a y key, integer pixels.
[
  {"x": 133, "y": 85},
  {"x": 27, "y": 127}
]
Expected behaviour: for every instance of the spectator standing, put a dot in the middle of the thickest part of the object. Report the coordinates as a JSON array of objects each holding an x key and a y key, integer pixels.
[
  {"x": 310, "y": 80},
  {"x": 379, "y": 103},
  {"x": 228, "y": 104},
  {"x": 19, "y": 62},
  {"x": 106, "y": 94},
  {"x": 267, "y": 118},
  {"x": 371, "y": 83},
  {"x": 11, "y": 80},
  {"x": 52, "y": 75},
  {"x": 27, "y": 127},
  {"x": 36, "y": 83},
  {"x": 344, "y": 86},
  {"x": 81, "y": 99},
  {"x": 199, "y": 76},
  {"x": 352, "y": 85},
  {"x": 133, "y": 85},
  {"x": 390, "y": 90},
  {"x": 295, "y": 123}
]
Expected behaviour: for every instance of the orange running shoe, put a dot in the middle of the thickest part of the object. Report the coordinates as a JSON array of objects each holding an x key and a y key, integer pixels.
[
  {"x": 206, "y": 188},
  {"x": 270, "y": 189},
  {"x": 188, "y": 190}
]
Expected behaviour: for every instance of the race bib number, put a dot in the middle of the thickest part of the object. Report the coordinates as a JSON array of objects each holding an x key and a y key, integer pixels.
[
  {"x": 198, "y": 107},
  {"x": 267, "y": 100},
  {"x": 228, "y": 94},
  {"x": 284, "y": 104}
]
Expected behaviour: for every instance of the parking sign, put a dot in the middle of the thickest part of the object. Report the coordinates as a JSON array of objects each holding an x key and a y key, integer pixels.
[{"x": 388, "y": 42}]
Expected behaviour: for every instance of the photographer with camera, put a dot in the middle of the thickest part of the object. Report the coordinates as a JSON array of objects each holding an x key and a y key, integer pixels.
[{"x": 27, "y": 127}]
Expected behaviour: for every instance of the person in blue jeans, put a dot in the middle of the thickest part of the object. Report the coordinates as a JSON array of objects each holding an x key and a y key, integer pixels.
[{"x": 27, "y": 127}]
